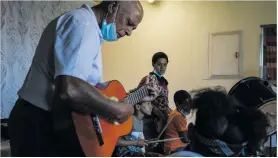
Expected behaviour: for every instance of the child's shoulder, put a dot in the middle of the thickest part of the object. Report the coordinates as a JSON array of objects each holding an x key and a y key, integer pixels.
[{"x": 137, "y": 124}]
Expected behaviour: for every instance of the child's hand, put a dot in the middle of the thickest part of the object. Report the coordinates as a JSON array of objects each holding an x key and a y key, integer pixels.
[
  {"x": 143, "y": 150},
  {"x": 141, "y": 143},
  {"x": 154, "y": 145}
]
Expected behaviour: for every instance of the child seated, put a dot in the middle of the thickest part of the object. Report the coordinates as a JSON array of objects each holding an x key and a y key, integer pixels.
[
  {"x": 133, "y": 144},
  {"x": 177, "y": 123}
]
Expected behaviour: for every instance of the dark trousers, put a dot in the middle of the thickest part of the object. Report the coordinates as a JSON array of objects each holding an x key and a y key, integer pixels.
[{"x": 31, "y": 131}]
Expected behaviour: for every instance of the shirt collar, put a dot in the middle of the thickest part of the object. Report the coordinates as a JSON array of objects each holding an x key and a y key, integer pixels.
[{"x": 89, "y": 9}]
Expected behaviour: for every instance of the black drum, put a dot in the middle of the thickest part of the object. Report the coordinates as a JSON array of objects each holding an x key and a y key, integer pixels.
[
  {"x": 257, "y": 93},
  {"x": 253, "y": 92}
]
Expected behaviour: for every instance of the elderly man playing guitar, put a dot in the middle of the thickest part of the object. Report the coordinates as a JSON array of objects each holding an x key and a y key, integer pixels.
[{"x": 60, "y": 110}]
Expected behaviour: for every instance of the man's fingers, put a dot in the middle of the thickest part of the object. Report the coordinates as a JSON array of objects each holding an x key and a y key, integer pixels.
[
  {"x": 151, "y": 88},
  {"x": 152, "y": 92},
  {"x": 147, "y": 80},
  {"x": 155, "y": 88},
  {"x": 123, "y": 120}
]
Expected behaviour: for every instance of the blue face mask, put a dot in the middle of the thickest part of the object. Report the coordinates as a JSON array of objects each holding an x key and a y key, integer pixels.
[
  {"x": 158, "y": 74},
  {"x": 108, "y": 31},
  {"x": 184, "y": 112}
]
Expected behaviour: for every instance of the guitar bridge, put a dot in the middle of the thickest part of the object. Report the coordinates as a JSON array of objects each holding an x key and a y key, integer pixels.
[{"x": 98, "y": 130}]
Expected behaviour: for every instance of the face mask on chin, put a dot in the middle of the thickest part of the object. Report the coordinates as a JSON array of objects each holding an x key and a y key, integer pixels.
[
  {"x": 182, "y": 111},
  {"x": 185, "y": 113},
  {"x": 109, "y": 31},
  {"x": 158, "y": 74}
]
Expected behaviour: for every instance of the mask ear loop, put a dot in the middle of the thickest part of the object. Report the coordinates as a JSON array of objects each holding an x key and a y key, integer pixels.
[
  {"x": 180, "y": 109},
  {"x": 105, "y": 19},
  {"x": 106, "y": 16},
  {"x": 116, "y": 13}
]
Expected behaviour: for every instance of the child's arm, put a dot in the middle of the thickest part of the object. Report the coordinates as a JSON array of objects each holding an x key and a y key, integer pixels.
[{"x": 121, "y": 142}]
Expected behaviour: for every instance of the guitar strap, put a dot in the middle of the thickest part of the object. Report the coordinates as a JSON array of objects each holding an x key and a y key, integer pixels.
[{"x": 98, "y": 130}]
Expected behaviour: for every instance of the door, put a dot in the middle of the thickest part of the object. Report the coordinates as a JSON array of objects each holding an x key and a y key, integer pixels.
[{"x": 225, "y": 54}]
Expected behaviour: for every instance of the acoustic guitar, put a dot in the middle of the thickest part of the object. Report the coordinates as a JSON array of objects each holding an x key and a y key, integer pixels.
[{"x": 98, "y": 136}]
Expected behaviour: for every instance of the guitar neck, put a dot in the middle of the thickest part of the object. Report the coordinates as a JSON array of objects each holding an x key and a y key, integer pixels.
[{"x": 136, "y": 96}]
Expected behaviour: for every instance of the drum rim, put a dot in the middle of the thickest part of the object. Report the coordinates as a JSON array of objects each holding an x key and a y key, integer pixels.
[
  {"x": 266, "y": 101},
  {"x": 260, "y": 108},
  {"x": 232, "y": 90},
  {"x": 241, "y": 81}
]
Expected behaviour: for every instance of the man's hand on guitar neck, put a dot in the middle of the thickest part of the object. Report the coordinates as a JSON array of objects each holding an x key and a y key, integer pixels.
[
  {"x": 82, "y": 97},
  {"x": 153, "y": 93},
  {"x": 153, "y": 87}
]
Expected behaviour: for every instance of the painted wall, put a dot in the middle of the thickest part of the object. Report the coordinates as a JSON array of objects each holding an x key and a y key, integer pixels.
[{"x": 181, "y": 29}]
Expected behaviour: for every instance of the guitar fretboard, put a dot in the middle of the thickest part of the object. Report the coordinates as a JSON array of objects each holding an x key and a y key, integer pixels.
[{"x": 136, "y": 96}]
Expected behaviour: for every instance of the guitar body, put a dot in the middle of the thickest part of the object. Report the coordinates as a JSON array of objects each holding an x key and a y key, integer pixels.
[{"x": 86, "y": 132}]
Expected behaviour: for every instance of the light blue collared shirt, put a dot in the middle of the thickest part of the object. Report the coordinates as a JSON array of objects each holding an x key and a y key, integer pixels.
[
  {"x": 70, "y": 45},
  {"x": 77, "y": 46}
]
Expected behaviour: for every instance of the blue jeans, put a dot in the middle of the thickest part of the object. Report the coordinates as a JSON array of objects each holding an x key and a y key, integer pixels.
[
  {"x": 184, "y": 153},
  {"x": 179, "y": 149}
]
